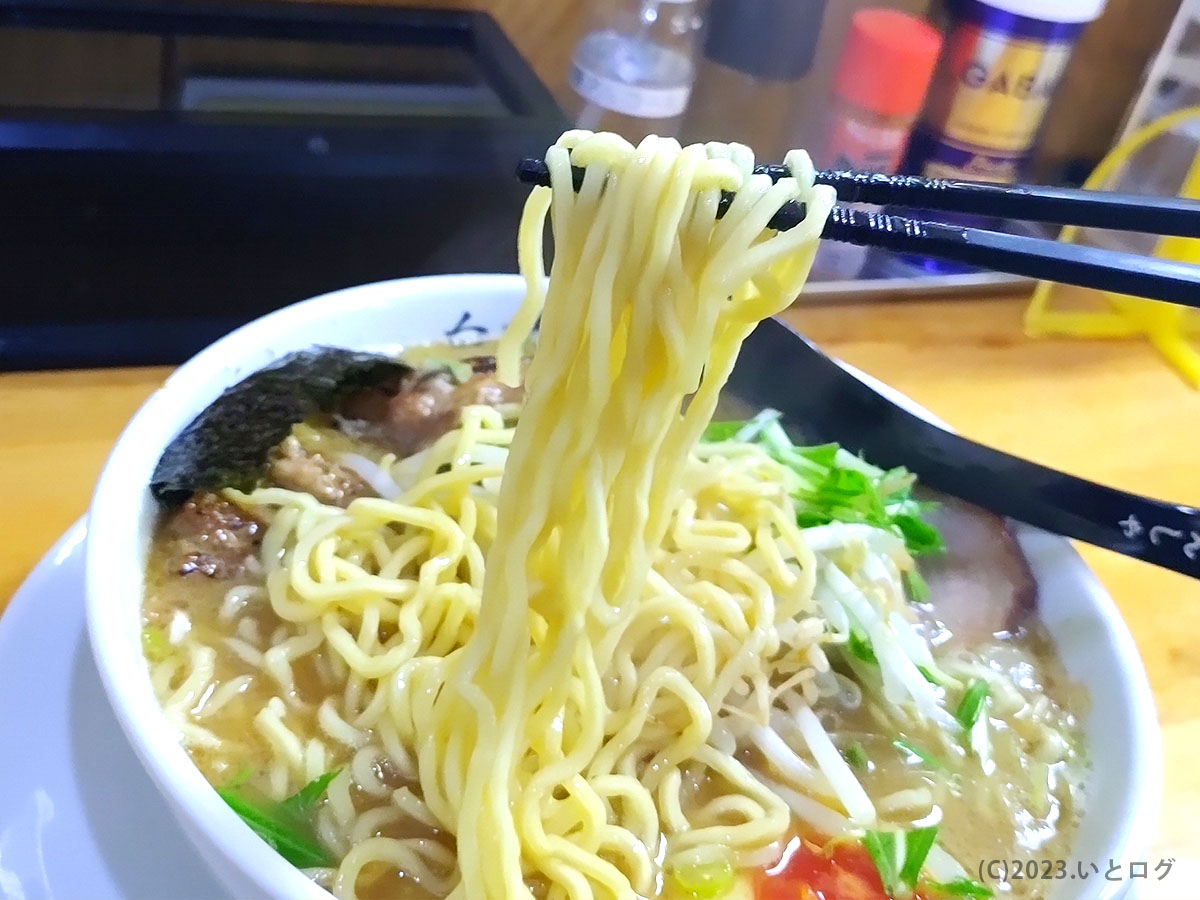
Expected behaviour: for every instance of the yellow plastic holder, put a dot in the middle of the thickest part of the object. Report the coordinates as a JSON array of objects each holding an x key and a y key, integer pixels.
[{"x": 1171, "y": 329}]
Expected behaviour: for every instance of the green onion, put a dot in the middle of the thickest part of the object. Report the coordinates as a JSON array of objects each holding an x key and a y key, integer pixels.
[
  {"x": 898, "y": 482},
  {"x": 959, "y": 887},
  {"x": 916, "y": 848},
  {"x": 770, "y": 433},
  {"x": 856, "y": 755},
  {"x": 851, "y": 495},
  {"x": 811, "y": 518},
  {"x": 899, "y": 857},
  {"x": 928, "y": 675},
  {"x": 849, "y": 483},
  {"x": 860, "y": 646},
  {"x": 840, "y": 487},
  {"x": 285, "y": 826},
  {"x": 706, "y": 880},
  {"x": 847, "y": 460},
  {"x": 716, "y": 432},
  {"x": 917, "y": 586},
  {"x": 919, "y": 537},
  {"x": 882, "y": 846},
  {"x": 306, "y": 798},
  {"x": 155, "y": 646},
  {"x": 972, "y": 704},
  {"x": 821, "y": 454},
  {"x": 980, "y": 743},
  {"x": 286, "y": 839},
  {"x": 913, "y": 751}
]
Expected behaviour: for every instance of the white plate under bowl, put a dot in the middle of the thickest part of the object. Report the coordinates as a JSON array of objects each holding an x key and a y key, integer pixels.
[
  {"x": 1094, "y": 643},
  {"x": 78, "y": 816}
]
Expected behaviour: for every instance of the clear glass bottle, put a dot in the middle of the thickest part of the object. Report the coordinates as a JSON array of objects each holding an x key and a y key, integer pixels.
[{"x": 632, "y": 71}]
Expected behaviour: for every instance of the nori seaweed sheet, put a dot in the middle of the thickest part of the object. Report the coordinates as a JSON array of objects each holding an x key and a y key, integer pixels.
[{"x": 227, "y": 444}]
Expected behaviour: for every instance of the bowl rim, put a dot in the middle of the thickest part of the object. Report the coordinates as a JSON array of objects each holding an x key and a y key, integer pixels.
[{"x": 209, "y": 822}]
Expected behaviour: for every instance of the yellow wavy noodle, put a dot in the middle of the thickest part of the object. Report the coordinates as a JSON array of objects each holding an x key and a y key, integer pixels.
[{"x": 552, "y": 670}]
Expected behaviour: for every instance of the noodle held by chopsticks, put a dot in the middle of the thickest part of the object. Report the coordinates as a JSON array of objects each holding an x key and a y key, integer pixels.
[{"x": 649, "y": 299}]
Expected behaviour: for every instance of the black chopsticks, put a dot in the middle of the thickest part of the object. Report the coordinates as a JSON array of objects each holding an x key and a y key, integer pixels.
[
  {"x": 1107, "y": 270},
  {"x": 1054, "y": 205},
  {"x": 1090, "y": 267}
]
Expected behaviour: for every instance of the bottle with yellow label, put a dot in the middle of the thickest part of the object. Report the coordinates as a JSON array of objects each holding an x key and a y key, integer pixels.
[
  {"x": 1000, "y": 63},
  {"x": 999, "y": 67}
]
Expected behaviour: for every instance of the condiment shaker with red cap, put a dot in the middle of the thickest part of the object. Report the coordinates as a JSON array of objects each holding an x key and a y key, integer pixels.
[{"x": 878, "y": 90}]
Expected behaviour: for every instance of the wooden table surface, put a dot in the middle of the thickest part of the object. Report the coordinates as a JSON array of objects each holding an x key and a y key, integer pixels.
[{"x": 1110, "y": 411}]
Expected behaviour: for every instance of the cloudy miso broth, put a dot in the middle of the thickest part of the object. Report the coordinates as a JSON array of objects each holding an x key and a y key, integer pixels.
[{"x": 270, "y": 694}]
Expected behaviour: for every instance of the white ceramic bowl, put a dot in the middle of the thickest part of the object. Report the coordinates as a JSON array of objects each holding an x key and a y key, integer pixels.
[{"x": 1094, "y": 643}]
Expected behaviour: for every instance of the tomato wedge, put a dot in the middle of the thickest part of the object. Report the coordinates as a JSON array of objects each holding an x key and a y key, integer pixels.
[{"x": 842, "y": 870}]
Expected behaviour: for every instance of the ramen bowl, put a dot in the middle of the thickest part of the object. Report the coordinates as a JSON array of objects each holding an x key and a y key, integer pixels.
[{"x": 1092, "y": 641}]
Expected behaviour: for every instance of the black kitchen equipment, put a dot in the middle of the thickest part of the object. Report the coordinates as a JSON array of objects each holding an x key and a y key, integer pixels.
[{"x": 169, "y": 171}]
